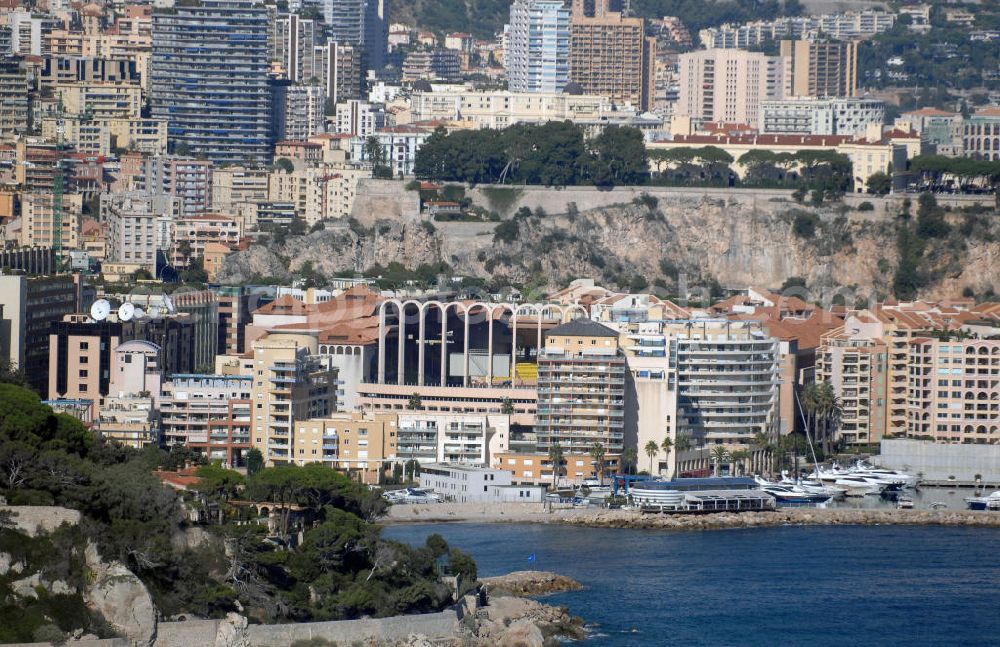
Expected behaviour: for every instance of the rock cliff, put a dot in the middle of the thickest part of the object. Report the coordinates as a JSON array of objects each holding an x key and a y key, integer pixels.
[{"x": 672, "y": 240}]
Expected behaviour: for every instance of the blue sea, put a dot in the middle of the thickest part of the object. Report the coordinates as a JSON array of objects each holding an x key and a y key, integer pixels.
[{"x": 846, "y": 586}]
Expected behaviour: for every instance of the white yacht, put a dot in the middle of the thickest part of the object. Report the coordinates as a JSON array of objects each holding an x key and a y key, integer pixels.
[
  {"x": 988, "y": 502},
  {"x": 812, "y": 486},
  {"x": 902, "y": 478},
  {"x": 859, "y": 485}
]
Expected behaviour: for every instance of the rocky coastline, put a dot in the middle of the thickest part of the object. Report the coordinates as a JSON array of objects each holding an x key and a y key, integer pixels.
[{"x": 529, "y": 584}]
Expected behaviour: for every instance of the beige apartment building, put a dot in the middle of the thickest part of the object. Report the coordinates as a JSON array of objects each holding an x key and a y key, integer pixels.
[
  {"x": 195, "y": 232},
  {"x": 581, "y": 386},
  {"x": 84, "y": 135},
  {"x": 50, "y": 221},
  {"x": 908, "y": 382},
  {"x": 857, "y": 368},
  {"x": 820, "y": 68},
  {"x": 290, "y": 382},
  {"x": 610, "y": 54},
  {"x": 101, "y": 101},
  {"x": 233, "y": 185},
  {"x": 953, "y": 390},
  {"x": 727, "y": 85},
  {"x": 356, "y": 443},
  {"x": 867, "y": 157}
]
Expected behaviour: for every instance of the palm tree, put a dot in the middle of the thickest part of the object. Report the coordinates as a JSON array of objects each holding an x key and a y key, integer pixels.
[
  {"x": 651, "y": 449},
  {"x": 828, "y": 413},
  {"x": 740, "y": 458},
  {"x": 630, "y": 457},
  {"x": 683, "y": 443},
  {"x": 666, "y": 446},
  {"x": 597, "y": 454},
  {"x": 556, "y": 458},
  {"x": 720, "y": 455}
]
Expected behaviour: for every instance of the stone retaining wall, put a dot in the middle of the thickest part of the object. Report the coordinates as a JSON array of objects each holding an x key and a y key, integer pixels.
[
  {"x": 555, "y": 200},
  {"x": 30, "y": 519},
  {"x": 435, "y": 626}
]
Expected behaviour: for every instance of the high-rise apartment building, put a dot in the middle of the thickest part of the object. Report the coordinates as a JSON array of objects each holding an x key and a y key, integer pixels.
[
  {"x": 31, "y": 304},
  {"x": 339, "y": 70},
  {"x": 856, "y": 366},
  {"x": 820, "y": 68},
  {"x": 362, "y": 23},
  {"x": 297, "y": 111},
  {"x": 726, "y": 377},
  {"x": 610, "y": 54},
  {"x": 581, "y": 389},
  {"x": 210, "y": 79},
  {"x": 727, "y": 85},
  {"x": 14, "y": 86},
  {"x": 290, "y": 382},
  {"x": 537, "y": 51},
  {"x": 954, "y": 390},
  {"x": 295, "y": 38}
]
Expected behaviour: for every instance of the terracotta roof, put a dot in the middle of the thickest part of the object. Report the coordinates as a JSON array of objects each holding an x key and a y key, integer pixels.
[
  {"x": 180, "y": 480},
  {"x": 931, "y": 112}
]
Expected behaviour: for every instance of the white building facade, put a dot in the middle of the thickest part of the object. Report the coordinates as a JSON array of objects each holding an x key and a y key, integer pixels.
[{"x": 537, "y": 54}]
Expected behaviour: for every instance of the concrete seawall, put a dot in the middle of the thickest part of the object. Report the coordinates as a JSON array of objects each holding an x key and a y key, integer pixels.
[
  {"x": 540, "y": 513},
  {"x": 434, "y": 626}
]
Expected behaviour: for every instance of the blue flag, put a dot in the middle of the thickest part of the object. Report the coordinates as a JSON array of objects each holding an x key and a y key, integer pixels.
[{"x": 531, "y": 557}]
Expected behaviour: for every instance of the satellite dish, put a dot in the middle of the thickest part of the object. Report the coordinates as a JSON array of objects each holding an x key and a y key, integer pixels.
[
  {"x": 139, "y": 313},
  {"x": 126, "y": 311},
  {"x": 100, "y": 310},
  {"x": 154, "y": 312},
  {"x": 167, "y": 302}
]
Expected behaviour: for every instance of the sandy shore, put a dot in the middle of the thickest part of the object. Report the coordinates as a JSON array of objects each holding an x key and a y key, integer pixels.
[{"x": 600, "y": 518}]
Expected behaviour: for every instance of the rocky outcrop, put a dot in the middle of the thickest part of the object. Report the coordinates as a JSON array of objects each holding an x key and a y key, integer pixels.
[
  {"x": 121, "y": 597},
  {"x": 520, "y": 622},
  {"x": 529, "y": 583},
  {"x": 735, "y": 238},
  {"x": 34, "y": 520},
  {"x": 232, "y": 632}
]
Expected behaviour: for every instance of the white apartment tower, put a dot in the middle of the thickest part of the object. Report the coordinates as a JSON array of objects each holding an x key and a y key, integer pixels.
[{"x": 537, "y": 54}]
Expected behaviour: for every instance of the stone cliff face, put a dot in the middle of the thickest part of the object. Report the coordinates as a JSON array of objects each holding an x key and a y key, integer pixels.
[{"x": 700, "y": 238}]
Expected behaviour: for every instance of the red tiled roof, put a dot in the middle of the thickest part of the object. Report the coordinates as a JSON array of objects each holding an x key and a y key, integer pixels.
[{"x": 930, "y": 112}]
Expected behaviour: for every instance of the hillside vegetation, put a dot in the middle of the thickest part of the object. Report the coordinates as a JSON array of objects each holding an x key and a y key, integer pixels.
[{"x": 244, "y": 562}]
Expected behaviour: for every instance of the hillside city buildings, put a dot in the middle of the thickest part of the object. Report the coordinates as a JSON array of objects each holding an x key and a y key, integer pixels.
[{"x": 141, "y": 145}]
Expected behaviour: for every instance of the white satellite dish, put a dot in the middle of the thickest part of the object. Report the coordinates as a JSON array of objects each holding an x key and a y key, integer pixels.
[
  {"x": 154, "y": 312},
  {"x": 100, "y": 310},
  {"x": 167, "y": 302},
  {"x": 126, "y": 311},
  {"x": 139, "y": 313}
]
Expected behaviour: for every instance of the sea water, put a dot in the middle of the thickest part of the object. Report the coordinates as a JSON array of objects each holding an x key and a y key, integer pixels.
[{"x": 846, "y": 586}]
